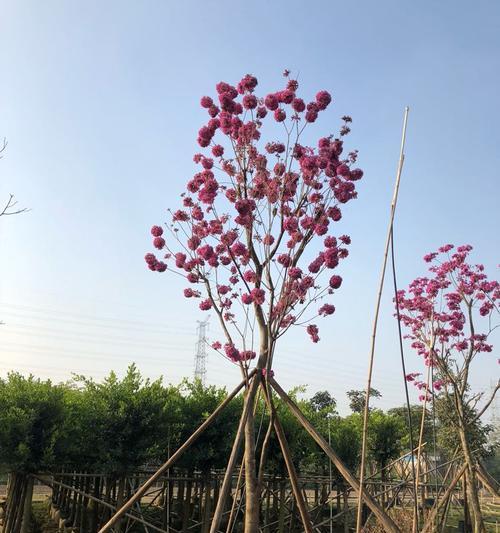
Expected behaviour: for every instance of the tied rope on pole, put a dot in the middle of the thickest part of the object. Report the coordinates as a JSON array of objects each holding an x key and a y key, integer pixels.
[{"x": 375, "y": 322}]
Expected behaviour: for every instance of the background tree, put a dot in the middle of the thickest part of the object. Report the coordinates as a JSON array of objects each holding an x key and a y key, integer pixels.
[
  {"x": 385, "y": 439},
  {"x": 211, "y": 450},
  {"x": 357, "y": 399},
  {"x": 31, "y": 417},
  {"x": 450, "y": 316},
  {"x": 416, "y": 416},
  {"x": 129, "y": 419},
  {"x": 323, "y": 401},
  {"x": 10, "y": 207}
]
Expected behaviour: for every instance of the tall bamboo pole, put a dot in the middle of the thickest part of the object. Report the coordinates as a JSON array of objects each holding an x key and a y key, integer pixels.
[
  {"x": 378, "y": 511},
  {"x": 375, "y": 321},
  {"x": 285, "y": 449},
  {"x": 142, "y": 490},
  {"x": 419, "y": 453}
]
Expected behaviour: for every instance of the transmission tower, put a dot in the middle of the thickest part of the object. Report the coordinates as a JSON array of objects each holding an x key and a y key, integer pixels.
[
  {"x": 200, "y": 358},
  {"x": 495, "y": 419}
]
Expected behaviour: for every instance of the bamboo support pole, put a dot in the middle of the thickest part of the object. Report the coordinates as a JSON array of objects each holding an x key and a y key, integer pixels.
[
  {"x": 385, "y": 519},
  {"x": 228, "y": 476},
  {"x": 142, "y": 490},
  {"x": 419, "y": 454},
  {"x": 229, "y": 527},
  {"x": 375, "y": 321},
  {"x": 429, "y": 523},
  {"x": 487, "y": 480},
  {"x": 285, "y": 449}
]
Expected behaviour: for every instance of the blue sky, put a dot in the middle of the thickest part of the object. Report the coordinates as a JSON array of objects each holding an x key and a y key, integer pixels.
[{"x": 99, "y": 104}]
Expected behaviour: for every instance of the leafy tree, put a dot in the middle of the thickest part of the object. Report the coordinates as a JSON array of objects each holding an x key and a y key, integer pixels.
[
  {"x": 213, "y": 447},
  {"x": 416, "y": 418},
  {"x": 385, "y": 438},
  {"x": 128, "y": 418},
  {"x": 357, "y": 399},
  {"x": 322, "y": 401},
  {"x": 31, "y": 415},
  {"x": 447, "y": 431}
]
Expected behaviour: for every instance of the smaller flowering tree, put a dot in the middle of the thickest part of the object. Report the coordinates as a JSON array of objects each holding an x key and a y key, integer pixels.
[
  {"x": 254, "y": 237},
  {"x": 450, "y": 316}
]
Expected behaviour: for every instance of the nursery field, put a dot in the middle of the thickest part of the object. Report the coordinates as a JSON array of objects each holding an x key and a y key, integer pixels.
[{"x": 344, "y": 373}]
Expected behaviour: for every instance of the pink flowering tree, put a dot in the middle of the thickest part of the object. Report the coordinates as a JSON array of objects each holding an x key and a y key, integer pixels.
[
  {"x": 450, "y": 316},
  {"x": 255, "y": 238}
]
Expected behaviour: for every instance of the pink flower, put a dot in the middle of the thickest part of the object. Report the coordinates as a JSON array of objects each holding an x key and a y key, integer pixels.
[
  {"x": 326, "y": 309},
  {"x": 311, "y": 116},
  {"x": 206, "y": 102},
  {"x": 218, "y": 150},
  {"x": 249, "y": 101},
  {"x": 150, "y": 259},
  {"x": 180, "y": 259},
  {"x": 290, "y": 224},
  {"x": 284, "y": 259},
  {"x": 356, "y": 174},
  {"x": 268, "y": 239},
  {"x": 238, "y": 248},
  {"x": 161, "y": 266},
  {"x": 261, "y": 112},
  {"x": 271, "y": 102},
  {"x": 213, "y": 111},
  {"x": 312, "y": 331},
  {"x": 156, "y": 231},
  {"x": 295, "y": 272},
  {"x": 247, "y": 83},
  {"x": 258, "y": 296},
  {"x": 438, "y": 384},
  {"x": 279, "y": 115},
  {"x": 330, "y": 242},
  {"x": 207, "y": 163},
  {"x": 298, "y": 105},
  {"x": 250, "y": 276},
  {"x": 323, "y": 98},
  {"x": 314, "y": 266},
  {"x": 231, "y": 352},
  {"x": 216, "y": 345},
  {"x": 247, "y": 355},
  {"x": 205, "y": 305},
  {"x": 223, "y": 289},
  {"x": 331, "y": 257},
  {"x": 286, "y": 96},
  {"x": 246, "y": 298},
  {"x": 335, "y": 282}
]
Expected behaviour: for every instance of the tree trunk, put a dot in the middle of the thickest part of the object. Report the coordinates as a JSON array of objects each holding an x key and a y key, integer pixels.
[
  {"x": 472, "y": 491},
  {"x": 17, "y": 515},
  {"x": 119, "y": 501},
  {"x": 346, "y": 510},
  {"x": 252, "y": 496}
]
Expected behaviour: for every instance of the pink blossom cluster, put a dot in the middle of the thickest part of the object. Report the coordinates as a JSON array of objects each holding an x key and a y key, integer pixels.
[
  {"x": 441, "y": 311},
  {"x": 252, "y": 209}
]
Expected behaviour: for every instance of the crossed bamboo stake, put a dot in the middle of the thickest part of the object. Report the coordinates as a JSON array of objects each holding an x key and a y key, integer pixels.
[{"x": 253, "y": 381}]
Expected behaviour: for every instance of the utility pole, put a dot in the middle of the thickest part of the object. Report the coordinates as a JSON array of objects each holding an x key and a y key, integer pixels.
[{"x": 200, "y": 358}]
